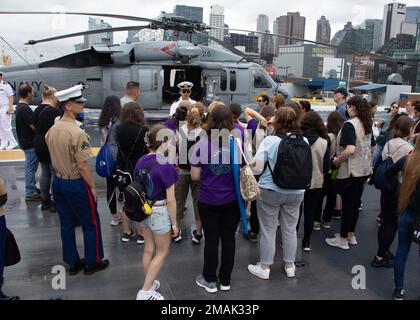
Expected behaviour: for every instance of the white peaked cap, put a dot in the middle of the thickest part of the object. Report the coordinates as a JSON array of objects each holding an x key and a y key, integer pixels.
[{"x": 74, "y": 94}]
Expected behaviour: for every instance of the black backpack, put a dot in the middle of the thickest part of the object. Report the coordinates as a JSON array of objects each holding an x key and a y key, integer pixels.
[
  {"x": 137, "y": 207},
  {"x": 190, "y": 144},
  {"x": 123, "y": 174},
  {"x": 293, "y": 169}
]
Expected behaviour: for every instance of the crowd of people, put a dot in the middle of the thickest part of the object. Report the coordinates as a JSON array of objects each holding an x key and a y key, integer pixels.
[{"x": 344, "y": 154}]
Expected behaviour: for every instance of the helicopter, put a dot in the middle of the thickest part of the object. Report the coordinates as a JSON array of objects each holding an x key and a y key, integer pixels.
[
  {"x": 227, "y": 76},
  {"x": 158, "y": 66}
]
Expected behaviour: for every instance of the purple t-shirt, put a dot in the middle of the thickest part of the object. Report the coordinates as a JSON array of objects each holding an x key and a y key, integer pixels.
[
  {"x": 162, "y": 176},
  {"x": 170, "y": 124},
  {"x": 217, "y": 186},
  {"x": 253, "y": 126},
  {"x": 241, "y": 130}
]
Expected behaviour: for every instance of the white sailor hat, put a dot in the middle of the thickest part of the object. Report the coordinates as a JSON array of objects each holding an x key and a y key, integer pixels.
[
  {"x": 71, "y": 94},
  {"x": 186, "y": 85}
]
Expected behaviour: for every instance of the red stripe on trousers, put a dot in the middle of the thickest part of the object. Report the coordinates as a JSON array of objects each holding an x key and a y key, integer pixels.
[{"x": 92, "y": 208}]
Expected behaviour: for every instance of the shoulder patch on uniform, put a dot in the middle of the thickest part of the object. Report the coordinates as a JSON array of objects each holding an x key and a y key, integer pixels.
[{"x": 84, "y": 146}]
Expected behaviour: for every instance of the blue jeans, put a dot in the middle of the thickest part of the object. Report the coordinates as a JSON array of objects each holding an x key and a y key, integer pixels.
[
  {"x": 47, "y": 171},
  {"x": 31, "y": 166},
  {"x": 377, "y": 155},
  {"x": 2, "y": 249},
  {"x": 405, "y": 226}
]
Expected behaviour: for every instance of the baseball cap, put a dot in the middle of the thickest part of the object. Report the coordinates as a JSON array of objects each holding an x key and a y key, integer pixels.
[{"x": 342, "y": 91}]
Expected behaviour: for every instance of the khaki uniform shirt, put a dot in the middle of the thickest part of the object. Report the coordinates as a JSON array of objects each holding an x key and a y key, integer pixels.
[
  {"x": 3, "y": 190},
  {"x": 69, "y": 146}
]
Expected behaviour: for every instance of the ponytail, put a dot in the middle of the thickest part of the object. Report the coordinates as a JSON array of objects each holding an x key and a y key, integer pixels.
[
  {"x": 48, "y": 92},
  {"x": 195, "y": 116},
  {"x": 363, "y": 112}
]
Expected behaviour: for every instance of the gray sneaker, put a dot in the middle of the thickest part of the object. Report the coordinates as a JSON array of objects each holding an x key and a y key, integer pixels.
[{"x": 210, "y": 287}]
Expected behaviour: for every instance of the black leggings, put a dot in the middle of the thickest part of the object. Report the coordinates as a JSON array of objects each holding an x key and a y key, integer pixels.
[
  {"x": 253, "y": 220},
  {"x": 111, "y": 194},
  {"x": 219, "y": 223},
  {"x": 331, "y": 192},
  {"x": 389, "y": 225},
  {"x": 312, "y": 207},
  {"x": 351, "y": 190}
]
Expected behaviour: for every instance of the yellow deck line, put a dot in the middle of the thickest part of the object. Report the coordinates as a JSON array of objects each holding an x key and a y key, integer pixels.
[{"x": 19, "y": 156}]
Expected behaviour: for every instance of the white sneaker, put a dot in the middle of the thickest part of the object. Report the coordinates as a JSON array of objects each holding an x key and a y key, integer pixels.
[
  {"x": 156, "y": 285},
  {"x": 317, "y": 226},
  {"x": 326, "y": 225},
  {"x": 11, "y": 146},
  {"x": 3, "y": 147},
  {"x": 116, "y": 222},
  {"x": 336, "y": 242},
  {"x": 352, "y": 241},
  {"x": 290, "y": 272},
  {"x": 258, "y": 271},
  {"x": 177, "y": 238},
  {"x": 224, "y": 288},
  {"x": 149, "y": 295}
]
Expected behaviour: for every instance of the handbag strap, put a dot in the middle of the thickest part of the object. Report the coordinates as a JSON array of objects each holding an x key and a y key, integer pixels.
[{"x": 239, "y": 142}]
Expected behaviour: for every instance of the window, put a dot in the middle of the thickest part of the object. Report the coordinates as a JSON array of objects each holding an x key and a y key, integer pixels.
[
  {"x": 146, "y": 79},
  {"x": 260, "y": 79},
  {"x": 223, "y": 80},
  {"x": 232, "y": 78},
  {"x": 119, "y": 77}
]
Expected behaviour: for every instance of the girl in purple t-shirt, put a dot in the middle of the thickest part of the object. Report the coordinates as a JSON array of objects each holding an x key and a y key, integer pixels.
[
  {"x": 158, "y": 226},
  {"x": 217, "y": 205}
]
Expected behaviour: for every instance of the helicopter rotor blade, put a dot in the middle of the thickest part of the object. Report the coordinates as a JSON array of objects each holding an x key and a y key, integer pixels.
[
  {"x": 346, "y": 49},
  {"x": 71, "y": 35},
  {"x": 106, "y": 15}
]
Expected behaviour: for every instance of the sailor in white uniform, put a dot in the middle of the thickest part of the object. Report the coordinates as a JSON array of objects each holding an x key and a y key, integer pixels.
[
  {"x": 8, "y": 141},
  {"x": 185, "y": 92}
]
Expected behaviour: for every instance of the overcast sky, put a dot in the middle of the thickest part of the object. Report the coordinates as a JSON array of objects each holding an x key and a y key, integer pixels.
[{"x": 238, "y": 14}]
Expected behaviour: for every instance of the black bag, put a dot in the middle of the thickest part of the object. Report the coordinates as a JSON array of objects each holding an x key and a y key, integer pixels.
[
  {"x": 190, "y": 143},
  {"x": 123, "y": 175},
  {"x": 380, "y": 180},
  {"x": 293, "y": 169},
  {"x": 136, "y": 205},
  {"x": 12, "y": 250}
]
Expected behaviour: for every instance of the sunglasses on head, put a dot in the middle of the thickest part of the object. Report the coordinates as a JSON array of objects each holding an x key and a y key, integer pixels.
[{"x": 186, "y": 91}]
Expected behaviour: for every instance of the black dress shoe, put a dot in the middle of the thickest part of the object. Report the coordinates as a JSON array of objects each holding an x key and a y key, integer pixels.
[
  {"x": 99, "y": 266},
  {"x": 73, "y": 270},
  {"x": 7, "y": 298}
]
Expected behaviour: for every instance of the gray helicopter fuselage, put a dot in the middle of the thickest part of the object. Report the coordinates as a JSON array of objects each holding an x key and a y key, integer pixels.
[{"x": 157, "y": 66}]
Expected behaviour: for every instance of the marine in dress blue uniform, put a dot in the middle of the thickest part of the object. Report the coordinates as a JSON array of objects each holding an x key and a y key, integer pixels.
[{"x": 73, "y": 187}]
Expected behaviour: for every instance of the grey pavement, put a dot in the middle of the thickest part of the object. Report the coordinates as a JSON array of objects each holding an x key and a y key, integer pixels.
[{"x": 326, "y": 274}]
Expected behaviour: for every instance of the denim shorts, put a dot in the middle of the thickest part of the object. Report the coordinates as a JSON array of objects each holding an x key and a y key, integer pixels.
[{"x": 158, "y": 222}]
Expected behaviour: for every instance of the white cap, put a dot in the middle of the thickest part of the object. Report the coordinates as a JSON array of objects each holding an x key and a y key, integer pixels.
[
  {"x": 74, "y": 94},
  {"x": 186, "y": 85}
]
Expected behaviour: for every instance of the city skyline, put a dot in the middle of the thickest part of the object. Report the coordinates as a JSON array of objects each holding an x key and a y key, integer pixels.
[{"x": 245, "y": 18}]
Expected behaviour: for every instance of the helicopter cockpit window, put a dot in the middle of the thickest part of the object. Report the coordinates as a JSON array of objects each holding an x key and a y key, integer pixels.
[
  {"x": 261, "y": 80},
  {"x": 223, "y": 80},
  {"x": 232, "y": 80}
]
